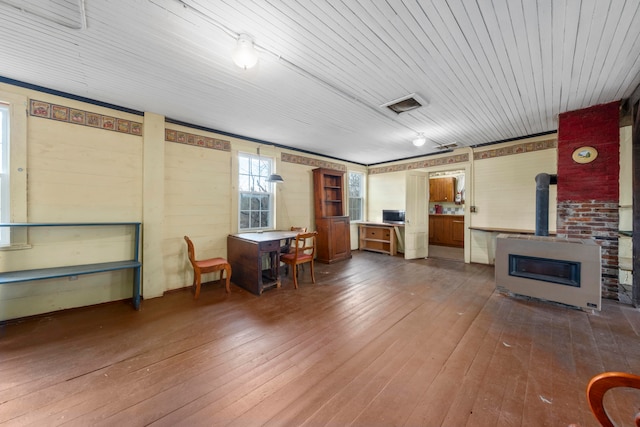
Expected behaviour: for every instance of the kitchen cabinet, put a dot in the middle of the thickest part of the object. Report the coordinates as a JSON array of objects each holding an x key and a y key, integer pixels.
[
  {"x": 446, "y": 230},
  {"x": 457, "y": 231},
  {"x": 333, "y": 241},
  {"x": 442, "y": 189},
  {"x": 378, "y": 238}
]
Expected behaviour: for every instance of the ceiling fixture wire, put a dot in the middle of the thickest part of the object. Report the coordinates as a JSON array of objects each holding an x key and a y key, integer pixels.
[{"x": 332, "y": 87}]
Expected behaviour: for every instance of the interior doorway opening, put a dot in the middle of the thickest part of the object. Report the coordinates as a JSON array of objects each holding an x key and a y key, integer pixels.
[{"x": 447, "y": 191}]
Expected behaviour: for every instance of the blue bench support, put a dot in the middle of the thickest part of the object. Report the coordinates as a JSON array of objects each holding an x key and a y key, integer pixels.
[{"x": 77, "y": 270}]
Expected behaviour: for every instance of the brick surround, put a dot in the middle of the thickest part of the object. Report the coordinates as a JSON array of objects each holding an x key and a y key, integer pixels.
[
  {"x": 588, "y": 194},
  {"x": 598, "y": 221}
]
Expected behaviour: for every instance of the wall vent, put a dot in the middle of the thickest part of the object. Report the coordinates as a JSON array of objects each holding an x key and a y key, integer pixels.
[{"x": 404, "y": 104}]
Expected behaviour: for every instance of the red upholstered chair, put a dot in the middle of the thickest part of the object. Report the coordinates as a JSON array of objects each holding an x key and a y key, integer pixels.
[
  {"x": 600, "y": 384},
  {"x": 206, "y": 266},
  {"x": 302, "y": 251}
]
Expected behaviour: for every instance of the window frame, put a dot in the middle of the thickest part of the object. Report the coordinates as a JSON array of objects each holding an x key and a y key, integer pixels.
[
  {"x": 16, "y": 174},
  {"x": 5, "y": 181},
  {"x": 360, "y": 199},
  {"x": 256, "y": 181}
]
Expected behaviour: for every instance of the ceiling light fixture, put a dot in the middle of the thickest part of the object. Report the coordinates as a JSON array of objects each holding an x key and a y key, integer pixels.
[
  {"x": 419, "y": 140},
  {"x": 344, "y": 93},
  {"x": 245, "y": 55}
]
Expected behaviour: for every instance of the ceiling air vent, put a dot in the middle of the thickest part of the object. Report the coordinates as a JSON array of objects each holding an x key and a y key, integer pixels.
[
  {"x": 447, "y": 146},
  {"x": 404, "y": 104}
]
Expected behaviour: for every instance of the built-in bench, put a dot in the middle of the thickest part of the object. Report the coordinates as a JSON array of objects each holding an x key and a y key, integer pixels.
[{"x": 77, "y": 270}]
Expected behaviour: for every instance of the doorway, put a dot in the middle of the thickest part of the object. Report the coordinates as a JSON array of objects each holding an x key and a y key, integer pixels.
[{"x": 447, "y": 190}]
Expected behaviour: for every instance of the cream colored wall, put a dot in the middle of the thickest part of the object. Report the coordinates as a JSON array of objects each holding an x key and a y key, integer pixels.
[
  {"x": 197, "y": 204},
  {"x": 385, "y": 191},
  {"x": 75, "y": 174},
  {"x": 79, "y": 173},
  {"x": 85, "y": 174},
  {"x": 626, "y": 179},
  {"x": 294, "y": 196},
  {"x": 504, "y": 193},
  {"x": 505, "y": 190},
  {"x": 501, "y": 187},
  {"x": 625, "y": 247}
]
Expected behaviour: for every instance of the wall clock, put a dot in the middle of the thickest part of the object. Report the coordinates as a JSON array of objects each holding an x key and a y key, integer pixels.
[{"x": 584, "y": 155}]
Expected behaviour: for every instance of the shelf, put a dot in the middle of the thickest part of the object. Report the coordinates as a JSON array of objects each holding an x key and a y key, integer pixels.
[
  {"x": 71, "y": 270},
  {"x": 375, "y": 240},
  {"x": 18, "y": 276},
  {"x": 378, "y": 238}
]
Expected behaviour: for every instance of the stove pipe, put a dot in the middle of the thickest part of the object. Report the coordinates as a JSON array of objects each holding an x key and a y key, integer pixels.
[{"x": 543, "y": 180}]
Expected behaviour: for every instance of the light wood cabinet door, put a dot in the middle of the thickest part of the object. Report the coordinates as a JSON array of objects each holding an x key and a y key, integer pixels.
[
  {"x": 457, "y": 232},
  {"x": 442, "y": 189},
  {"x": 446, "y": 230}
]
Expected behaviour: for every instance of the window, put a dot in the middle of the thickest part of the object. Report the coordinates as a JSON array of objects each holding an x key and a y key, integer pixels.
[
  {"x": 13, "y": 168},
  {"x": 4, "y": 173},
  {"x": 256, "y": 193},
  {"x": 356, "y": 196}
]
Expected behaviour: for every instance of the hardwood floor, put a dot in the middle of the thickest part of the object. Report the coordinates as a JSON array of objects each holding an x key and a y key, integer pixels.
[
  {"x": 378, "y": 341},
  {"x": 446, "y": 252}
]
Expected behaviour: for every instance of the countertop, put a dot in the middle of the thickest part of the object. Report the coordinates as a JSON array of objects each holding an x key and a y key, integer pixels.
[{"x": 508, "y": 230}]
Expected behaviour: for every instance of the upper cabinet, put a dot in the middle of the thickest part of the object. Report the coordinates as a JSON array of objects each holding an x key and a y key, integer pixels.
[
  {"x": 328, "y": 192},
  {"x": 442, "y": 189}
]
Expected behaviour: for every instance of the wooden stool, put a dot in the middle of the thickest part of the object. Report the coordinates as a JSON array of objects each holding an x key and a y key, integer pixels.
[{"x": 207, "y": 266}]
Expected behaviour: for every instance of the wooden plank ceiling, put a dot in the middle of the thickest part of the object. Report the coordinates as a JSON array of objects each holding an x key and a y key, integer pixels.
[{"x": 490, "y": 70}]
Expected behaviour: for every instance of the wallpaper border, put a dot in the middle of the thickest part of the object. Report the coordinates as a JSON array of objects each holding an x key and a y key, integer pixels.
[{"x": 60, "y": 113}]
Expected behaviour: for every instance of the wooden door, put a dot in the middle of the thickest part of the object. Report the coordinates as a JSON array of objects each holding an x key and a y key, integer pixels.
[{"x": 416, "y": 229}]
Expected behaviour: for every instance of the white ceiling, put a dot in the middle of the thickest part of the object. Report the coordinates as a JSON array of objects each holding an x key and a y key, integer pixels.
[{"x": 490, "y": 70}]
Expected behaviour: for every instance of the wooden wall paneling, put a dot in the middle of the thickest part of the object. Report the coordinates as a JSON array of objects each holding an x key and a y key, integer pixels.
[
  {"x": 385, "y": 191},
  {"x": 96, "y": 172},
  {"x": 504, "y": 190},
  {"x": 76, "y": 173},
  {"x": 197, "y": 204}
]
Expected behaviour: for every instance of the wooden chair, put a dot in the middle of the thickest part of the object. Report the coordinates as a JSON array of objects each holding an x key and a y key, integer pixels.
[
  {"x": 288, "y": 248},
  {"x": 600, "y": 384},
  {"x": 206, "y": 266},
  {"x": 302, "y": 251}
]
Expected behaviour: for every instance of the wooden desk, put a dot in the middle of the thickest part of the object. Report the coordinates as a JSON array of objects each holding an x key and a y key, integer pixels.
[{"x": 246, "y": 252}]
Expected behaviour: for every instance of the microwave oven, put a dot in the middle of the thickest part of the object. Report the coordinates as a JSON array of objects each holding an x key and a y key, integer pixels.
[{"x": 393, "y": 216}]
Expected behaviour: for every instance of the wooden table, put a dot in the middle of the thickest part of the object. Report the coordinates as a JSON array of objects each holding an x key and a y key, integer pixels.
[{"x": 255, "y": 259}]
